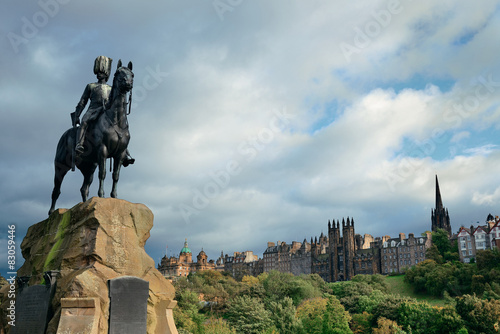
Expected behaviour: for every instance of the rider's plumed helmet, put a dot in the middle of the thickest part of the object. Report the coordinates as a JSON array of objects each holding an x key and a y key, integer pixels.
[{"x": 102, "y": 65}]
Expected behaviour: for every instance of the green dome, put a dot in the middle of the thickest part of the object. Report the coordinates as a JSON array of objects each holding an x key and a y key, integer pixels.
[{"x": 186, "y": 248}]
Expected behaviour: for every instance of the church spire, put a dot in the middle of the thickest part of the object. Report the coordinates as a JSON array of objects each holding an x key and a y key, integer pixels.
[
  {"x": 439, "y": 216},
  {"x": 439, "y": 202}
]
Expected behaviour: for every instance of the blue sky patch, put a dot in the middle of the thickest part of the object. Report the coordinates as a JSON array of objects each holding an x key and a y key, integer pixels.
[
  {"x": 418, "y": 82},
  {"x": 444, "y": 147}
]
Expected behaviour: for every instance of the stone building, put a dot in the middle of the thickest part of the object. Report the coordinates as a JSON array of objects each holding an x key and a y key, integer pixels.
[
  {"x": 279, "y": 256},
  {"x": 344, "y": 254},
  {"x": 342, "y": 247},
  {"x": 271, "y": 257},
  {"x": 399, "y": 254},
  {"x": 300, "y": 261},
  {"x": 470, "y": 240},
  {"x": 183, "y": 265},
  {"x": 244, "y": 264}
]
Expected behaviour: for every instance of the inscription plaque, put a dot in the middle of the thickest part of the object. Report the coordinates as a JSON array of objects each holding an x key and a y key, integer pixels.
[
  {"x": 128, "y": 305},
  {"x": 33, "y": 309}
]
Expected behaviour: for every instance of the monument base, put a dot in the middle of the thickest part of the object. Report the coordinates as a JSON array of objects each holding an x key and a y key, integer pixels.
[{"x": 91, "y": 243}]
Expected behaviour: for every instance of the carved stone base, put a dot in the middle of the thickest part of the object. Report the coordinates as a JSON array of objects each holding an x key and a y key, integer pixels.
[{"x": 79, "y": 316}]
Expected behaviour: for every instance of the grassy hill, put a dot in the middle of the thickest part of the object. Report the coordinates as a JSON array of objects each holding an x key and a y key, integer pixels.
[{"x": 397, "y": 285}]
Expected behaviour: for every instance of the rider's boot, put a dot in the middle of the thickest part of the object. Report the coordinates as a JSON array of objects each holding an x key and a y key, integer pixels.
[
  {"x": 128, "y": 160},
  {"x": 81, "y": 137}
]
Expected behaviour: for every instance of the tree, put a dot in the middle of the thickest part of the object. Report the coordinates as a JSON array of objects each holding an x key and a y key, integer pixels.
[
  {"x": 361, "y": 323},
  {"x": 420, "y": 317},
  {"x": 441, "y": 240},
  {"x": 488, "y": 259},
  {"x": 479, "y": 315},
  {"x": 351, "y": 288},
  {"x": 376, "y": 282},
  {"x": 217, "y": 326},
  {"x": 478, "y": 284},
  {"x": 277, "y": 285},
  {"x": 387, "y": 326},
  {"x": 336, "y": 319},
  {"x": 210, "y": 277},
  {"x": 324, "y": 316},
  {"x": 186, "y": 315},
  {"x": 248, "y": 315},
  {"x": 215, "y": 295},
  {"x": 284, "y": 317},
  {"x": 301, "y": 289},
  {"x": 363, "y": 303},
  {"x": 311, "y": 312},
  {"x": 438, "y": 279},
  {"x": 432, "y": 253},
  {"x": 388, "y": 308}
]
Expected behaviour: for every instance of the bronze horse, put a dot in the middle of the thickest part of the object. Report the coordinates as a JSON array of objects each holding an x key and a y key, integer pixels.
[{"x": 107, "y": 137}]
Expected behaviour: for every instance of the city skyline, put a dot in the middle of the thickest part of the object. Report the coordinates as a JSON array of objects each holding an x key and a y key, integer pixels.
[{"x": 255, "y": 121}]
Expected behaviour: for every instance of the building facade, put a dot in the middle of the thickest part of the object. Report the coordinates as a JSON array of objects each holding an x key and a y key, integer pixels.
[
  {"x": 184, "y": 265},
  {"x": 399, "y": 254},
  {"x": 470, "y": 240},
  {"x": 344, "y": 254}
]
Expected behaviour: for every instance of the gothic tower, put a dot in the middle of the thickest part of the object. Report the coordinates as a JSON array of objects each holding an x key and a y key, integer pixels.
[
  {"x": 439, "y": 215},
  {"x": 334, "y": 245},
  {"x": 349, "y": 248}
]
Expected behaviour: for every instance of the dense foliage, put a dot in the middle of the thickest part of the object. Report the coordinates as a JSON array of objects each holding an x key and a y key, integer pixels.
[
  {"x": 444, "y": 274},
  {"x": 211, "y": 302}
]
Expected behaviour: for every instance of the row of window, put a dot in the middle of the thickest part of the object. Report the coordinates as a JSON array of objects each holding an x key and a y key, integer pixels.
[
  {"x": 403, "y": 256},
  {"x": 481, "y": 236},
  {"x": 403, "y": 249},
  {"x": 394, "y": 243}
]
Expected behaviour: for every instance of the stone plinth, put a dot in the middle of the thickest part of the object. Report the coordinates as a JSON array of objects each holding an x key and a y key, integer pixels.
[
  {"x": 79, "y": 316},
  {"x": 91, "y": 243}
]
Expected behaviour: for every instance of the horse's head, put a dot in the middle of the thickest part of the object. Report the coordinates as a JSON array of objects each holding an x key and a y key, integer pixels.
[{"x": 124, "y": 78}]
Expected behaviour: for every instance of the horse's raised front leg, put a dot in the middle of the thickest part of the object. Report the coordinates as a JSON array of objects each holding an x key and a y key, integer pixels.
[
  {"x": 117, "y": 164},
  {"x": 102, "y": 171}
]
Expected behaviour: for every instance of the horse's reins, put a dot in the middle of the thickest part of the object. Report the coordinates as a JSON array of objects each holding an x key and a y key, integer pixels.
[{"x": 130, "y": 102}]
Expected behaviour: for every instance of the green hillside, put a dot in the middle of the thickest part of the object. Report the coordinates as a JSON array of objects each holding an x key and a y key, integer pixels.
[{"x": 397, "y": 285}]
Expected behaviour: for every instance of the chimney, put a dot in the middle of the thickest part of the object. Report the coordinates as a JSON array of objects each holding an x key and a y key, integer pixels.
[{"x": 401, "y": 236}]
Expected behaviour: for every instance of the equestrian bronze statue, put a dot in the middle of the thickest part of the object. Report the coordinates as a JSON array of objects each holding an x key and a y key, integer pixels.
[{"x": 103, "y": 133}]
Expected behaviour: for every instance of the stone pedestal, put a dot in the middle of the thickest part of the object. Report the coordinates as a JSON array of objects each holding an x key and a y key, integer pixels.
[
  {"x": 89, "y": 244},
  {"x": 79, "y": 316},
  {"x": 170, "y": 324}
]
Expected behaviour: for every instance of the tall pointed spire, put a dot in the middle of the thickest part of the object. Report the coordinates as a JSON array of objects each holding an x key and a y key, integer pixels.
[
  {"x": 439, "y": 215},
  {"x": 439, "y": 202}
]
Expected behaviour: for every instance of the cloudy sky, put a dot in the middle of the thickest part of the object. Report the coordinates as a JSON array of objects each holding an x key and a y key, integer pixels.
[{"x": 258, "y": 121}]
